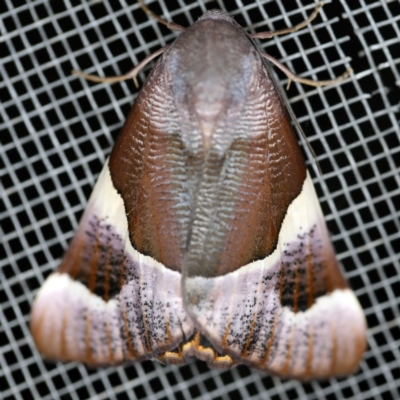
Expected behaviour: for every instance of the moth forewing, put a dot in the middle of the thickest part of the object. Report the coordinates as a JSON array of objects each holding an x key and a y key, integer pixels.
[{"x": 204, "y": 236}]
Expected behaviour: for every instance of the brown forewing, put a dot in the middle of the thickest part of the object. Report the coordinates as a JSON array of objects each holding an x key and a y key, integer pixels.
[
  {"x": 224, "y": 208},
  {"x": 148, "y": 170}
]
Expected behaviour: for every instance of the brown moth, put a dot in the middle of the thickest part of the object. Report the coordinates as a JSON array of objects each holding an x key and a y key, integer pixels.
[{"x": 203, "y": 235}]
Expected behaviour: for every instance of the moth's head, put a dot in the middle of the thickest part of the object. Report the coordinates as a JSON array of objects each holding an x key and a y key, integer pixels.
[
  {"x": 216, "y": 15},
  {"x": 211, "y": 64}
]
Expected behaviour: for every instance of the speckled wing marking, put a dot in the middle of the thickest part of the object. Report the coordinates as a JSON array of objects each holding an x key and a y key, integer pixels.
[
  {"x": 107, "y": 303},
  {"x": 290, "y": 314}
]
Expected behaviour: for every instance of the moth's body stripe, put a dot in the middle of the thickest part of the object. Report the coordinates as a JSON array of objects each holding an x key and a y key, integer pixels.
[
  {"x": 143, "y": 320},
  {"x": 281, "y": 280},
  {"x": 296, "y": 287},
  {"x": 167, "y": 330},
  {"x": 288, "y": 357},
  {"x": 310, "y": 354},
  {"x": 224, "y": 343},
  {"x": 121, "y": 279},
  {"x": 75, "y": 266},
  {"x": 109, "y": 344},
  {"x": 93, "y": 267},
  {"x": 310, "y": 279},
  {"x": 88, "y": 349},
  {"x": 270, "y": 342},
  {"x": 63, "y": 332},
  {"x": 106, "y": 296},
  {"x": 131, "y": 350}
]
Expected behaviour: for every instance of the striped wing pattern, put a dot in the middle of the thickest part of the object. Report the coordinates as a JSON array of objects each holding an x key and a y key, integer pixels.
[
  {"x": 290, "y": 314},
  {"x": 286, "y": 315},
  {"x": 107, "y": 303}
]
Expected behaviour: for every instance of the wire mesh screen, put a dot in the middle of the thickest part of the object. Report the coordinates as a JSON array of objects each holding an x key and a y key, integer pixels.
[{"x": 57, "y": 130}]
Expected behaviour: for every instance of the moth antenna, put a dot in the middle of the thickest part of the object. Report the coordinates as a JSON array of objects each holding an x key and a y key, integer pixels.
[
  {"x": 129, "y": 75},
  {"x": 170, "y": 25},
  {"x": 293, "y": 77},
  {"x": 301, "y": 25}
]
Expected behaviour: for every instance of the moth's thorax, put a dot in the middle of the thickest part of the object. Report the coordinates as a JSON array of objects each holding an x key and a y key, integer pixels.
[{"x": 211, "y": 64}]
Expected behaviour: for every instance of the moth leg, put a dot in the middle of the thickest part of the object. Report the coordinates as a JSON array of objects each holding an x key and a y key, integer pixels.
[
  {"x": 293, "y": 77},
  {"x": 270, "y": 34},
  {"x": 170, "y": 25},
  {"x": 129, "y": 75},
  {"x": 200, "y": 348}
]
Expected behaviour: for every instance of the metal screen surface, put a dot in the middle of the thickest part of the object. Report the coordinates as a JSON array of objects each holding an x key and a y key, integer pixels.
[{"x": 57, "y": 130}]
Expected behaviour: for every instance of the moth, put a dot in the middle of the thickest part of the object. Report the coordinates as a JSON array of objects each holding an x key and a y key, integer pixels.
[{"x": 203, "y": 235}]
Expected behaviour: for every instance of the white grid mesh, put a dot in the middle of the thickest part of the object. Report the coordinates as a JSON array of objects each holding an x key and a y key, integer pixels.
[{"x": 56, "y": 131}]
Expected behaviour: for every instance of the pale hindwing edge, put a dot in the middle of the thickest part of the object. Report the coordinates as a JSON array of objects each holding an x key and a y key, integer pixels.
[
  {"x": 107, "y": 303},
  {"x": 290, "y": 314}
]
